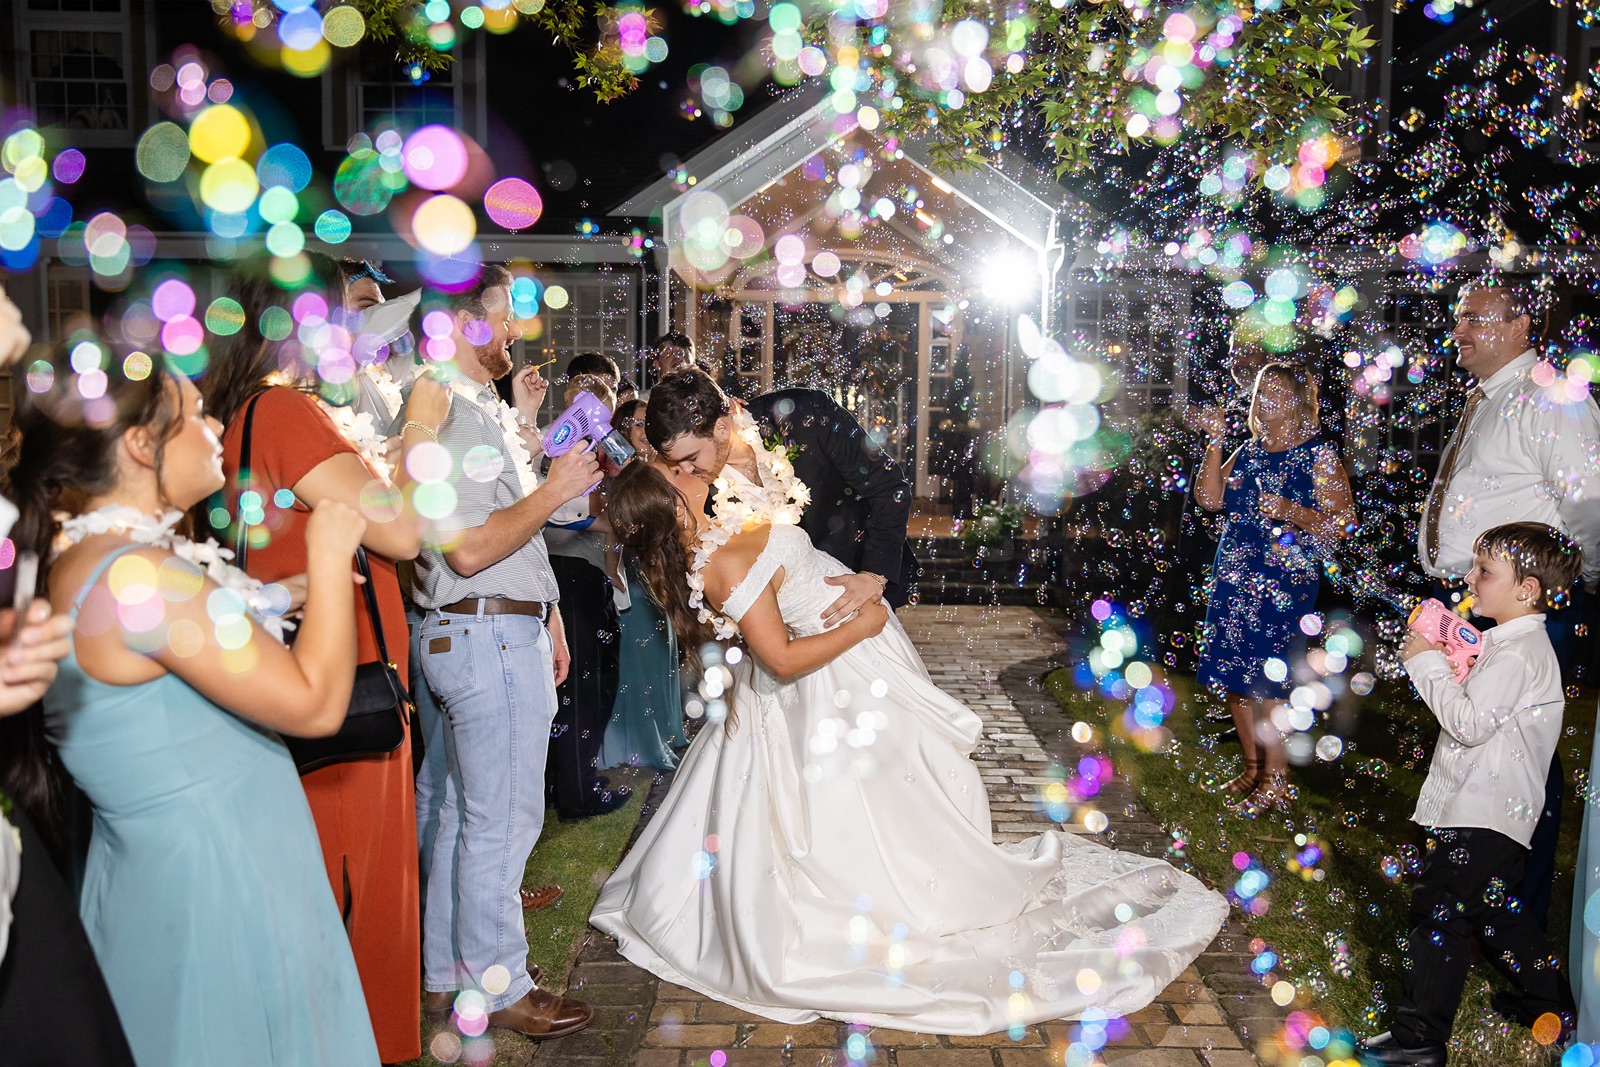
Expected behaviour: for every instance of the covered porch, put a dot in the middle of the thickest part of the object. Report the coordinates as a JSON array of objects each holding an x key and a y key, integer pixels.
[{"x": 806, "y": 250}]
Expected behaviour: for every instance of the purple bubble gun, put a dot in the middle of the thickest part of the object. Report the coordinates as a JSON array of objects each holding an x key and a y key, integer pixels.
[{"x": 587, "y": 417}]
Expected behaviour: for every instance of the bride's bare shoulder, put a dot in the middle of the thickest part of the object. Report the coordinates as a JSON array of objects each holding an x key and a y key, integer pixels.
[{"x": 729, "y": 564}]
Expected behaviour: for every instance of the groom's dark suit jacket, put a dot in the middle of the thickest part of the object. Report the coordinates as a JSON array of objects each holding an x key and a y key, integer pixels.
[{"x": 860, "y": 501}]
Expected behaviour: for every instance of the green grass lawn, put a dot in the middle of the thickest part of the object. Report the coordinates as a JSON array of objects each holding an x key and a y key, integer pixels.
[
  {"x": 1338, "y": 938},
  {"x": 579, "y": 857}
]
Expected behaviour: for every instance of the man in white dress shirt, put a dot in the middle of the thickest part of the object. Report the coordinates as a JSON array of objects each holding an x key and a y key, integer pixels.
[{"x": 1525, "y": 450}]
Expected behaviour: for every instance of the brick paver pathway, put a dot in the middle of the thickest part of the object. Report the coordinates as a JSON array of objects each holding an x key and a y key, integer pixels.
[{"x": 643, "y": 1021}]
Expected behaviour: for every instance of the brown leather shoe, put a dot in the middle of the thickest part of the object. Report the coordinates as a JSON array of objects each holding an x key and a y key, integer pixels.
[
  {"x": 541, "y": 898},
  {"x": 541, "y": 1015},
  {"x": 439, "y": 1005}
]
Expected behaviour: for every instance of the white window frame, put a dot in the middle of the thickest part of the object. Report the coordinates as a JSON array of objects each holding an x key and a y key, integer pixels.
[
  {"x": 342, "y": 85},
  {"x": 619, "y": 333},
  {"x": 1110, "y": 294},
  {"x": 121, "y": 23},
  {"x": 57, "y": 318}
]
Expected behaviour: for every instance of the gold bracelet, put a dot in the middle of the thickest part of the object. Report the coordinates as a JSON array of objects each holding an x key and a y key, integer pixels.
[
  {"x": 432, "y": 434},
  {"x": 883, "y": 583}
]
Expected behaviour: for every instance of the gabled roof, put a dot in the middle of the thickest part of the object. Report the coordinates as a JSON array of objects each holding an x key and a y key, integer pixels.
[
  {"x": 781, "y": 137},
  {"x": 776, "y": 128},
  {"x": 749, "y": 159}
]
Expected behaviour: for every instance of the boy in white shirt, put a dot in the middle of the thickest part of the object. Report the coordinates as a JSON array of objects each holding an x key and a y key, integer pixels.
[{"x": 1482, "y": 798}]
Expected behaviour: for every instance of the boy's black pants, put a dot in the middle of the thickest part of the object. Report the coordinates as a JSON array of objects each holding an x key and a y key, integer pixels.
[{"x": 1469, "y": 876}]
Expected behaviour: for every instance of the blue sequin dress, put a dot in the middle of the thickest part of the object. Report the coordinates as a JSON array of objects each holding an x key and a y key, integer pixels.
[{"x": 1265, "y": 575}]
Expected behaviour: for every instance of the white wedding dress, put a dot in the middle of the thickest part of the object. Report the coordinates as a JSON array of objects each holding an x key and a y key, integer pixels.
[{"x": 830, "y": 855}]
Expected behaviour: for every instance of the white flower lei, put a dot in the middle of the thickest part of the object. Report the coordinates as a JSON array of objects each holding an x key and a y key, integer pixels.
[
  {"x": 209, "y": 556},
  {"x": 506, "y": 416},
  {"x": 780, "y": 498},
  {"x": 713, "y": 539},
  {"x": 358, "y": 428},
  {"x": 388, "y": 388}
]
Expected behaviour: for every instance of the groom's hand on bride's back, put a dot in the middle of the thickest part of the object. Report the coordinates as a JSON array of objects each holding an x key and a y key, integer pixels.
[
  {"x": 869, "y": 620},
  {"x": 859, "y": 591}
]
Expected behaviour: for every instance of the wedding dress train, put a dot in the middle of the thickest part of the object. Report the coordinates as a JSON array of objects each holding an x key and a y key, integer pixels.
[{"x": 829, "y": 854}]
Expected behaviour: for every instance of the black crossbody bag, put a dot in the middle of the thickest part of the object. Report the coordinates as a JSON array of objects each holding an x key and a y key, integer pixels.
[{"x": 375, "y": 723}]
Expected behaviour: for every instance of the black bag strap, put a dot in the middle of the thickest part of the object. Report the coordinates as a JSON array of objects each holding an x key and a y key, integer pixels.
[
  {"x": 371, "y": 597},
  {"x": 241, "y": 539}
]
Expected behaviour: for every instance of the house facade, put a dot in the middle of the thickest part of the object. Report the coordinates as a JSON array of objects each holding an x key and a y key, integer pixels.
[{"x": 906, "y": 327}]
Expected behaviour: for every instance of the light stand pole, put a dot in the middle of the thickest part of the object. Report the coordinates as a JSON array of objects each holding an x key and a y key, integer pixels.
[{"x": 1008, "y": 370}]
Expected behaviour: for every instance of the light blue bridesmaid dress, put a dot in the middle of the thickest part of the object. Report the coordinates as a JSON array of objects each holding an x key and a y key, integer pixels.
[
  {"x": 1583, "y": 960},
  {"x": 646, "y": 721},
  {"x": 205, "y": 895}
]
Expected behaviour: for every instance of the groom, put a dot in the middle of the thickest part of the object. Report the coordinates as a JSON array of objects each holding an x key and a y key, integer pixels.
[{"x": 860, "y": 503}]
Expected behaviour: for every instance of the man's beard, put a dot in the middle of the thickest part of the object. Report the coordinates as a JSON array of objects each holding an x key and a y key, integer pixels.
[
  {"x": 719, "y": 457},
  {"x": 494, "y": 360}
]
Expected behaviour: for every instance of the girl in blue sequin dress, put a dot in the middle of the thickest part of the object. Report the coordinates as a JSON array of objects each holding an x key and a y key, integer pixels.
[{"x": 1281, "y": 493}]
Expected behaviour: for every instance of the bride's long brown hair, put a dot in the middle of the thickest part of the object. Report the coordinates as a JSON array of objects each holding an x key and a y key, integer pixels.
[{"x": 643, "y": 508}]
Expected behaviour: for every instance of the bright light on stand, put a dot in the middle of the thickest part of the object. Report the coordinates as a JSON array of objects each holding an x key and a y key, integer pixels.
[{"x": 1009, "y": 278}]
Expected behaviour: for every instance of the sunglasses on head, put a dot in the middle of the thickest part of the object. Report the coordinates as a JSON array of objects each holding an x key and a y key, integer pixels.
[{"x": 370, "y": 270}]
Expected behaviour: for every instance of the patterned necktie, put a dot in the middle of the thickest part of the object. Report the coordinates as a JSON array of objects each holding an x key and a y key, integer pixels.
[{"x": 1447, "y": 471}]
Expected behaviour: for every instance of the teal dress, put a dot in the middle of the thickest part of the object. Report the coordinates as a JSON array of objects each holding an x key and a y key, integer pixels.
[
  {"x": 646, "y": 721},
  {"x": 205, "y": 896},
  {"x": 1584, "y": 940}
]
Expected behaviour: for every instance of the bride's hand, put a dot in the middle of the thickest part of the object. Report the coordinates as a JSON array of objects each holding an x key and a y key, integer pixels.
[{"x": 874, "y": 617}]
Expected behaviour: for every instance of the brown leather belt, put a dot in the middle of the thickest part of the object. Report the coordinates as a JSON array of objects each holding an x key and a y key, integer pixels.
[{"x": 495, "y": 606}]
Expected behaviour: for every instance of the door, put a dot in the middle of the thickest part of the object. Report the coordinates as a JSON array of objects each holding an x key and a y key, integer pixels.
[{"x": 869, "y": 365}]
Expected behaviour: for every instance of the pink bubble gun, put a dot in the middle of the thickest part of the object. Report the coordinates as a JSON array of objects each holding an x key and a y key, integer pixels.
[
  {"x": 1461, "y": 640},
  {"x": 587, "y": 417}
]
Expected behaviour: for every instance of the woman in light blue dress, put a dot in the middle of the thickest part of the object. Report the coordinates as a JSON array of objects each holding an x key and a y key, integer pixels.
[
  {"x": 1583, "y": 951},
  {"x": 646, "y": 721},
  {"x": 647, "y": 718},
  {"x": 205, "y": 896}
]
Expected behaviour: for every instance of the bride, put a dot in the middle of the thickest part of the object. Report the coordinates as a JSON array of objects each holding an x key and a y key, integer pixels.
[{"x": 825, "y": 850}]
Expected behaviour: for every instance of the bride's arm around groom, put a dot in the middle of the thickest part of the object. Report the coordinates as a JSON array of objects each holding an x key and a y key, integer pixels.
[{"x": 765, "y": 633}]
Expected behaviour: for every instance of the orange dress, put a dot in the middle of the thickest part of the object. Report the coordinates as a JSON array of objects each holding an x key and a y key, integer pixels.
[{"x": 365, "y": 809}]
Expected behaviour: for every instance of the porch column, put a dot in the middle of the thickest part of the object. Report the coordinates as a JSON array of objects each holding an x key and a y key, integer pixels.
[
  {"x": 919, "y": 483},
  {"x": 768, "y": 326}
]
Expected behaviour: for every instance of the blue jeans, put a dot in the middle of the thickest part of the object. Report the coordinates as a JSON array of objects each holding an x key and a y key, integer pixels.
[
  {"x": 430, "y": 732},
  {"x": 493, "y": 679}
]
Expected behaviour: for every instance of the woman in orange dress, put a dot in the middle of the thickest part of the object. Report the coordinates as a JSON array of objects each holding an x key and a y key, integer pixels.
[{"x": 365, "y": 808}]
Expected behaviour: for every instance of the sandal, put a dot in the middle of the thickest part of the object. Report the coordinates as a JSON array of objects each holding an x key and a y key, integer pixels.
[
  {"x": 541, "y": 898},
  {"x": 1274, "y": 793},
  {"x": 1244, "y": 783}
]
